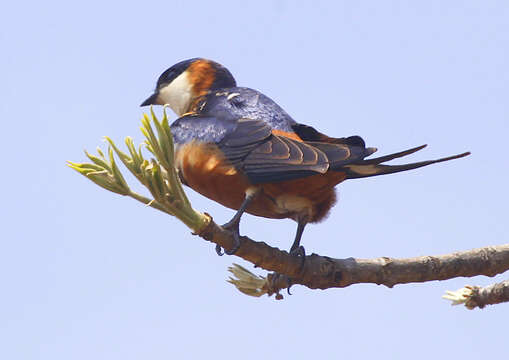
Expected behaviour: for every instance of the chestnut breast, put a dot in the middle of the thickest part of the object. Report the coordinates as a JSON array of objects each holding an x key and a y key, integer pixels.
[{"x": 204, "y": 168}]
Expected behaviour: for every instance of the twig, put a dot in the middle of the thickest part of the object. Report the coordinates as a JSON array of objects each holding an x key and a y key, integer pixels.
[{"x": 476, "y": 296}]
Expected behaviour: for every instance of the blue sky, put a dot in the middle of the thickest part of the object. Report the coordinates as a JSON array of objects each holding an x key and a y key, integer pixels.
[{"x": 87, "y": 274}]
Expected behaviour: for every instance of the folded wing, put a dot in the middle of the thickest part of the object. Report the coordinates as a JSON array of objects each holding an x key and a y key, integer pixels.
[{"x": 263, "y": 157}]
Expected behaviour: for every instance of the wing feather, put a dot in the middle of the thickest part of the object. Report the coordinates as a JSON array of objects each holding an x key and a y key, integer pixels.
[{"x": 262, "y": 156}]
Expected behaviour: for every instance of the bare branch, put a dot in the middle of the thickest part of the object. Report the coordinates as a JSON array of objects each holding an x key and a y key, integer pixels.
[{"x": 322, "y": 272}]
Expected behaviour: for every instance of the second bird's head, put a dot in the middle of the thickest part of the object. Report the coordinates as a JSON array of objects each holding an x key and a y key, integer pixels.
[{"x": 186, "y": 80}]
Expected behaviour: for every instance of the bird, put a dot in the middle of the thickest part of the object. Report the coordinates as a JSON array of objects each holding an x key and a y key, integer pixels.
[{"x": 236, "y": 146}]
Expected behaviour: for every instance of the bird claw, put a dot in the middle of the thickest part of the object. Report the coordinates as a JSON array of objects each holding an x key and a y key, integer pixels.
[
  {"x": 219, "y": 250},
  {"x": 289, "y": 286},
  {"x": 233, "y": 226},
  {"x": 275, "y": 287},
  {"x": 299, "y": 252}
]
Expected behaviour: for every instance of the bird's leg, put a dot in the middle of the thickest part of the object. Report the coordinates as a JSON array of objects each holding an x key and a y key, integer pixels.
[
  {"x": 233, "y": 224},
  {"x": 297, "y": 249}
]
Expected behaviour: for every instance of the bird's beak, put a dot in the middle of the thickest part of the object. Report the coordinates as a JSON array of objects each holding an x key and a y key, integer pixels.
[{"x": 152, "y": 100}]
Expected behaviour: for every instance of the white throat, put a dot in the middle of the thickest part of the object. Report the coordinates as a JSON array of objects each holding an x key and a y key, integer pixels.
[{"x": 177, "y": 94}]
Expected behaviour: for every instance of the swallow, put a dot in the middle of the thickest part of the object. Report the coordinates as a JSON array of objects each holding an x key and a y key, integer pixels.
[{"x": 236, "y": 146}]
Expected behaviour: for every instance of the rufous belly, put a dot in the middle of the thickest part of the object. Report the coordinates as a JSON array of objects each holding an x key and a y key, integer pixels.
[{"x": 205, "y": 170}]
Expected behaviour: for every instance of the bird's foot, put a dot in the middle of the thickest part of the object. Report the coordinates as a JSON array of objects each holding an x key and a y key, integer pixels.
[
  {"x": 278, "y": 282},
  {"x": 233, "y": 226},
  {"x": 299, "y": 251}
]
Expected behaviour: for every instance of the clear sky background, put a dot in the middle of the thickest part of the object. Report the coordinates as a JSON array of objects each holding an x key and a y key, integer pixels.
[{"x": 87, "y": 274}]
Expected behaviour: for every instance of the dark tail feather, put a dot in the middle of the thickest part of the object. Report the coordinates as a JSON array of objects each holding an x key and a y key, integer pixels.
[
  {"x": 385, "y": 158},
  {"x": 373, "y": 167}
]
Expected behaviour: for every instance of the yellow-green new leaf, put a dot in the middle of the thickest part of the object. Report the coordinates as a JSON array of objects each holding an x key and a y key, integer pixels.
[
  {"x": 81, "y": 167},
  {"x": 98, "y": 161},
  {"x": 116, "y": 172}
]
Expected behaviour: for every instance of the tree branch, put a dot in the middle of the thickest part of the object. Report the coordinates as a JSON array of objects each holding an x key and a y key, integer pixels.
[
  {"x": 322, "y": 272},
  {"x": 160, "y": 177},
  {"x": 476, "y": 296}
]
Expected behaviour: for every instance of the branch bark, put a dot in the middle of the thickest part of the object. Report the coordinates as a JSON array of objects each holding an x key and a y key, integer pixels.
[
  {"x": 478, "y": 297},
  {"x": 322, "y": 272},
  {"x": 489, "y": 295}
]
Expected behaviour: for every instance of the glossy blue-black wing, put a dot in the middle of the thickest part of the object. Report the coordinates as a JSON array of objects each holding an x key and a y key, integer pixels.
[
  {"x": 252, "y": 148},
  {"x": 201, "y": 128}
]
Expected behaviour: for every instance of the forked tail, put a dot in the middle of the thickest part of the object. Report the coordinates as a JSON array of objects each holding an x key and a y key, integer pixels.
[{"x": 374, "y": 167}]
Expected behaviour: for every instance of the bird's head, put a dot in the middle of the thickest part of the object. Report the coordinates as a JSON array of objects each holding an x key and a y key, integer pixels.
[{"x": 186, "y": 80}]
